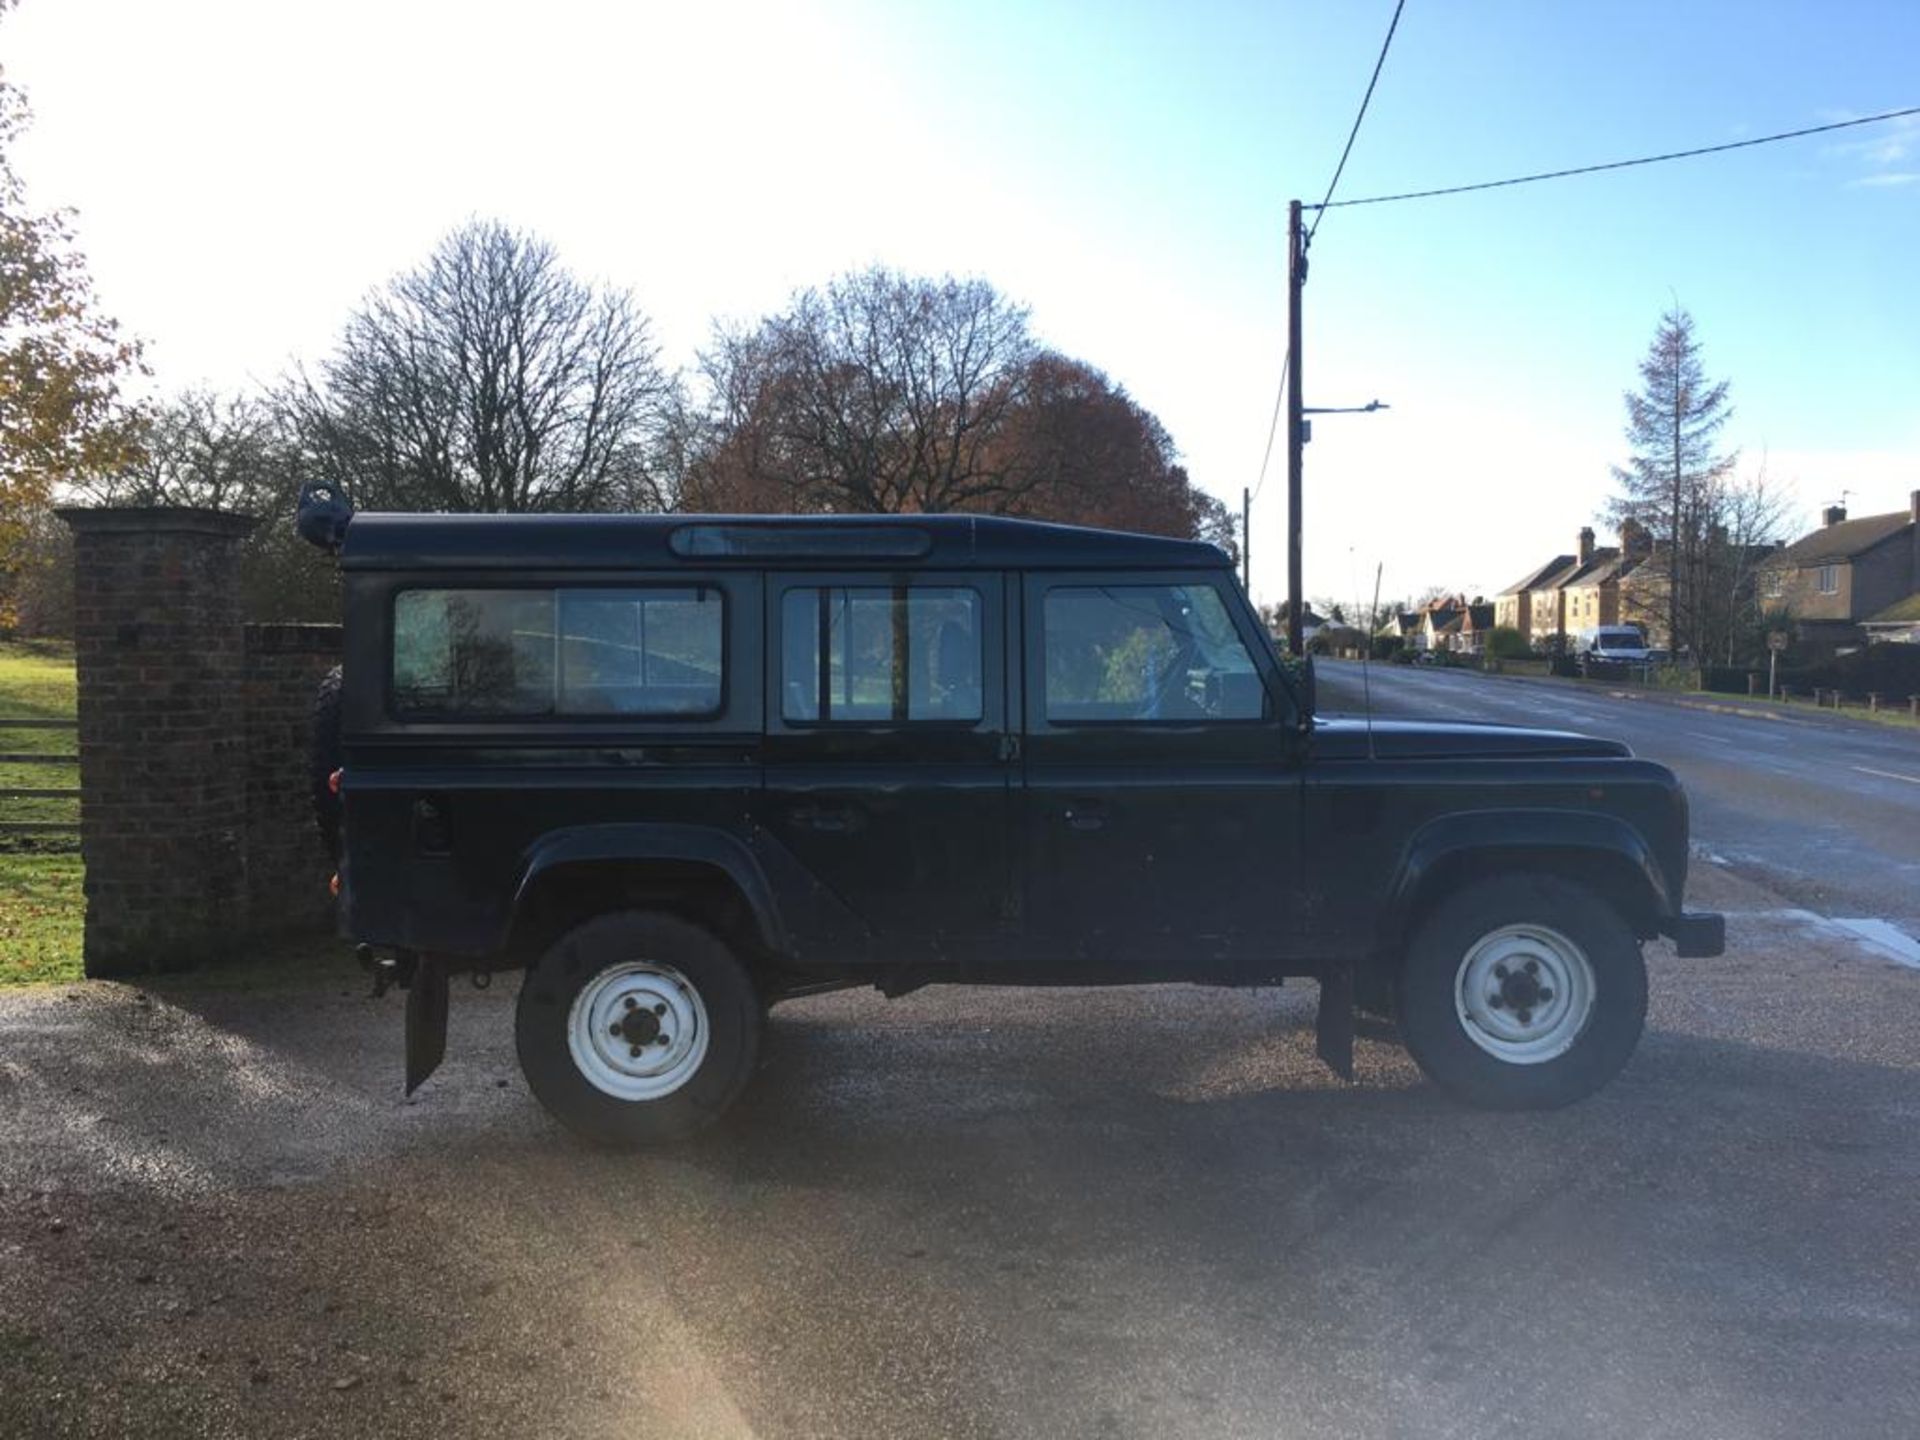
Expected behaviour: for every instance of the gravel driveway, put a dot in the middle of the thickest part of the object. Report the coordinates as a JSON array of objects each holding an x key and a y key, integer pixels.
[{"x": 985, "y": 1212}]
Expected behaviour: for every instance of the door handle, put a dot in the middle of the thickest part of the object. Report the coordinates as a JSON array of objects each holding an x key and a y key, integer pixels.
[
  {"x": 834, "y": 819},
  {"x": 1086, "y": 814}
]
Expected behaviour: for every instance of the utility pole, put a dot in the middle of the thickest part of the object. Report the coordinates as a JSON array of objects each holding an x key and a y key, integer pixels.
[
  {"x": 1296, "y": 434},
  {"x": 1246, "y": 541}
]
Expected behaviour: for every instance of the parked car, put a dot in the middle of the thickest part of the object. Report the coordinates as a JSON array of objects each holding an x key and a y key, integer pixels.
[{"x": 682, "y": 769}]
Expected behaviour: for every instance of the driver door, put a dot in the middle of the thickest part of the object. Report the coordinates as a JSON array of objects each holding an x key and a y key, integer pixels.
[{"x": 1162, "y": 796}]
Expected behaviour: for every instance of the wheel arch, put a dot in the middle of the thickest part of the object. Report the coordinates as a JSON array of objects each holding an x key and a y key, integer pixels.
[
  {"x": 1600, "y": 853},
  {"x": 705, "y": 876}
]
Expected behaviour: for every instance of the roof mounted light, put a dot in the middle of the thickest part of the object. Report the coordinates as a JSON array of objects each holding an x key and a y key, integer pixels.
[{"x": 787, "y": 541}]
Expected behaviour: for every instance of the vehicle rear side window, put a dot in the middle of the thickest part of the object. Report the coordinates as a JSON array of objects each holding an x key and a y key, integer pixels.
[
  {"x": 1146, "y": 653},
  {"x": 649, "y": 653},
  {"x": 892, "y": 654}
]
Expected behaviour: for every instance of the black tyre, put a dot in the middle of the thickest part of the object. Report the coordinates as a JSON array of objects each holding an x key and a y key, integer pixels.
[
  {"x": 637, "y": 1028},
  {"x": 1523, "y": 993}
]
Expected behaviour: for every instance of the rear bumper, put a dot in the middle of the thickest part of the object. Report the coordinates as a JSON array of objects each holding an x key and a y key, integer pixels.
[{"x": 1696, "y": 934}]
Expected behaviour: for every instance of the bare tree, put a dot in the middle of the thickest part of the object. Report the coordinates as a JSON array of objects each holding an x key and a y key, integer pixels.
[
  {"x": 879, "y": 392},
  {"x": 1747, "y": 516},
  {"x": 229, "y": 452},
  {"x": 200, "y": 448},
  {"x": 490, "y": 378}
]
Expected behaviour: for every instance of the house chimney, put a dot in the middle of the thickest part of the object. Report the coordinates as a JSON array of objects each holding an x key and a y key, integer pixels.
[
  {"x": 1586, "y": 544},
  {"x": 1636, "y": 541},
  {"x": 1834, "y": 515},
  {"x": 1913, "y": 510}
]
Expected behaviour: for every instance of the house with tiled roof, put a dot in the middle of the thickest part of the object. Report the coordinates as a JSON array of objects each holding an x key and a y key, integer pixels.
[
  {"x": 1467, "y": 632},
  {"x": 1401, "y": 625},
  {"x": 1537, "y": 606},
  {"x": 1593, "y": 594},
  {"x": 1438, "y": 627},
  {"x": 1514, "y": 606},
  {"x": 1846, "y": 573}
]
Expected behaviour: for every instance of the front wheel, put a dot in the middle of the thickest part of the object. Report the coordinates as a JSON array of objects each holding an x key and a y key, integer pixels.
[
  {"x": 637, "y": 1028},
  {"x": 1523, "y": 993}
]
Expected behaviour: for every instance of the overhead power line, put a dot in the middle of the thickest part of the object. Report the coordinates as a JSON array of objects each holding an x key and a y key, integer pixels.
[
  {"x": 1330, "y": 204},
  {"x": 1273, "y": 425},
  {"x": 1365, "y": 100},
  {"x": 1286, "y": 364}
]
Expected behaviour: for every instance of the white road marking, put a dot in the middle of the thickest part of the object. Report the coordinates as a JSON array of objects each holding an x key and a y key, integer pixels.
[
  {"x": 1880, "y": 938},
  {"x": 1888, "y": 937},
  {"x": 1888, "y": 774},
  {"x": 1703, "y": 735}
]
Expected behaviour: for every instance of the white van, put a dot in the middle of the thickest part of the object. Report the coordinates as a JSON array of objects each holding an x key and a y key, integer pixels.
[{"x": 1613, "y": 642}]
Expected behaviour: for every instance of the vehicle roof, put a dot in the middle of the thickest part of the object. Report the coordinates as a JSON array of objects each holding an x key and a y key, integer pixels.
[{"x": 378, "y": 540}]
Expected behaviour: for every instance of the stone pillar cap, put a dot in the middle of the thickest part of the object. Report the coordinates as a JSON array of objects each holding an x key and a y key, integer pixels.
[{"x": 156, "y": 519}]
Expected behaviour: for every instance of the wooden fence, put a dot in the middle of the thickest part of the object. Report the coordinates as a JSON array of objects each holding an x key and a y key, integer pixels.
[{"x": 12, "y": 795}]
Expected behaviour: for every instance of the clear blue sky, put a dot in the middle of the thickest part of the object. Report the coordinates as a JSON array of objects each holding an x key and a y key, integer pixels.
[{"x": 244, "y": 172}]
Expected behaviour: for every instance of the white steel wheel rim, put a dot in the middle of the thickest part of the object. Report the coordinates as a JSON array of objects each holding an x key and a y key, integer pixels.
[
  {"x": 1524, "y": 993},
  {"x": 638, "y": 1031}
]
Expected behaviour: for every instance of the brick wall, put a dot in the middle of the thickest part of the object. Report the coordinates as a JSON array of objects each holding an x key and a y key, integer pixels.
[
  {"x": 286, "y": 867},
  {"x": 156, "y": 631},
  {"x": 195, "y": 819}
]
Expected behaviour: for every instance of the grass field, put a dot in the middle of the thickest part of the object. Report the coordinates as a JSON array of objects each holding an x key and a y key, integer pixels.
[{"x": 40, "y": 899}]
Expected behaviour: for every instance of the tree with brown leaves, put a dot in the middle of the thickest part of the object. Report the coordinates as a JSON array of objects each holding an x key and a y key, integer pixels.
[{"x": 62, "y": 362}]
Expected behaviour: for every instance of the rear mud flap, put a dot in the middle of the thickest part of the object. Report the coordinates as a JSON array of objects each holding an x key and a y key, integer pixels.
[
  {"x": 426, "y": 1020},
  {"x": 1333, "y": 1027}
]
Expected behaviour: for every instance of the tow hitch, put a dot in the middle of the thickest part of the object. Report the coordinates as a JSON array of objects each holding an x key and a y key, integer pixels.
[{"x": 387, "y": 971}]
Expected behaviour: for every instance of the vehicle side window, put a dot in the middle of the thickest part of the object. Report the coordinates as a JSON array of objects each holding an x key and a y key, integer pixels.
[
  {"x": 881, "y": 654},
  {"x": 641, "y": 652},
  {"x": 1146, "y": 653}
]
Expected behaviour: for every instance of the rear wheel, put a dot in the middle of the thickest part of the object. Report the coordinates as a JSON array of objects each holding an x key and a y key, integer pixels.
[
  {"x": 1523, "y": 993},
  {"x": 637, "y": 1028}
]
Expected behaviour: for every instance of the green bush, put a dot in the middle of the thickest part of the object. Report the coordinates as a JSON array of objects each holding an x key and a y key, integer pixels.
[{"x": 1507, "y": 643}]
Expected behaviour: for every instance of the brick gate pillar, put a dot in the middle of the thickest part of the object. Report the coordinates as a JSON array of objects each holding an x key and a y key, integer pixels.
[{"x": 160, "y": 656}]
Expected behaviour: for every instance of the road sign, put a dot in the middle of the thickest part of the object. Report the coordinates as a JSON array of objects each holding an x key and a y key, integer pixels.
[{"x": 1778, "y": 639}]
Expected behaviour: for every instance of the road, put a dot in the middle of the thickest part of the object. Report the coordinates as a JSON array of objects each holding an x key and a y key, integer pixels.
[{"x": 1824, "y": 813}]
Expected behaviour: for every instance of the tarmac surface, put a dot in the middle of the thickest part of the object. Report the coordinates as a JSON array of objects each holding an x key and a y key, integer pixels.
[
  {"x": 996, "y": 1213},
  {"x": 1822, "y": 810}
]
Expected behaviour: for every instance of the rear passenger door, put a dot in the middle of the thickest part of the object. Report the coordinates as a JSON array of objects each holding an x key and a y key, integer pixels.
[
  {"x": 1163, "y": 780},
  {"x": 887, "y": 756}
]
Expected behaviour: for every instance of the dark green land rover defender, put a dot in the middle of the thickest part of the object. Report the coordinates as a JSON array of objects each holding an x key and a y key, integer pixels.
[{"x": 680, "y": 768}]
